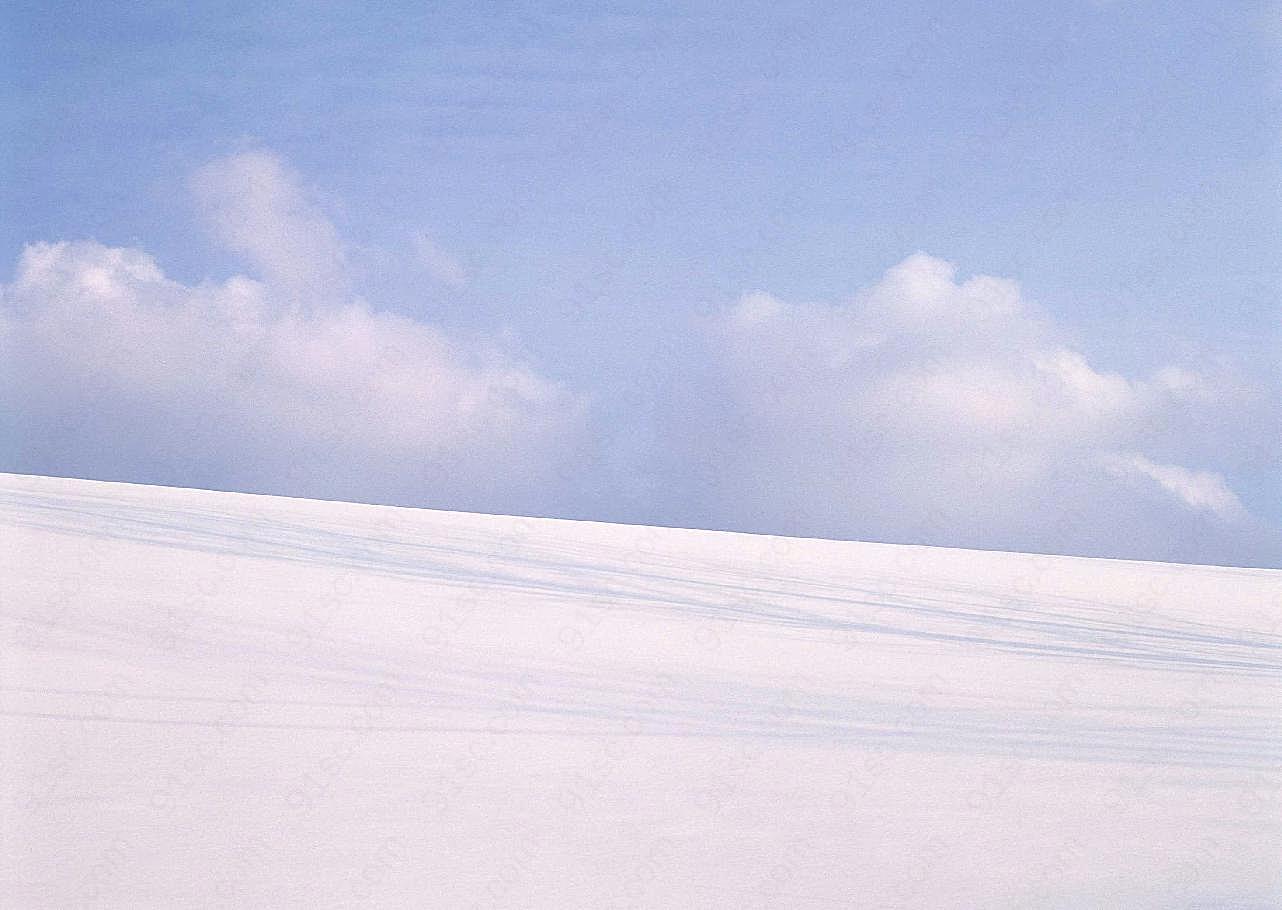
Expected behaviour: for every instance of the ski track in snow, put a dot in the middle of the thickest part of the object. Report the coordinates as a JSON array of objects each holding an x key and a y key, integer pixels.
[{"x": 215, "y": 699}]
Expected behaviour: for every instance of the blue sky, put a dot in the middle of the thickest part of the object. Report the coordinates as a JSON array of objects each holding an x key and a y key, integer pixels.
[{"x": 575, "y": 201}]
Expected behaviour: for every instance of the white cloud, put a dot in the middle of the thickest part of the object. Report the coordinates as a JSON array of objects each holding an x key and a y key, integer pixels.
[
  {"x": 921, "y": 294},
  {"x": 928, "y": 408},
  {"x": 1202, "y": 491},
  {"x": 287, "y": 383},
  {"x": 256, "y": 207},
  {"x": 1096, "y": 393}
]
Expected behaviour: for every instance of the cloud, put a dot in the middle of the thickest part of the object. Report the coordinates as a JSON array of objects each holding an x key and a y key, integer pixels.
[
  {"x": 927, "y": 408},
  {"x": 255, "y": 207},
  {"x": 282, "y": 382},
  {"x": 438, "y": 263},
  {"x": 1201, "y": 491},
  {"x": 932, "y": 409}
]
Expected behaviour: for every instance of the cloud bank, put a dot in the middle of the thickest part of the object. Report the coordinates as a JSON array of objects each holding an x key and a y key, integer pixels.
[
  {"x": 927, "y": 408},
  {"x": 955, "y": 412},
  {"x": 281, "y": 382}
]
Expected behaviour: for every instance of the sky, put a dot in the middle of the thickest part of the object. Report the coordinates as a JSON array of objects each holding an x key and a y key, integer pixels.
[{"x": 967, "y": 274}]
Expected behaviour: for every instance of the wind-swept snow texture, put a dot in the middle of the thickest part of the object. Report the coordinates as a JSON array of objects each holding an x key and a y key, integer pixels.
[{"x": 214, "y": 699}]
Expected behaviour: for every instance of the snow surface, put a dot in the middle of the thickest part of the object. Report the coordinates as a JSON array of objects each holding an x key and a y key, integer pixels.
[{"x": 215, "y": 699}]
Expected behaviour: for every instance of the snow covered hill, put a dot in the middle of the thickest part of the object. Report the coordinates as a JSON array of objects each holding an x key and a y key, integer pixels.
[{"x": 214, "y": 699}]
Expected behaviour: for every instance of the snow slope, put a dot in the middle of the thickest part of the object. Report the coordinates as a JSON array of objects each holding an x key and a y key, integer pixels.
[{"x": 214, "y": 699}]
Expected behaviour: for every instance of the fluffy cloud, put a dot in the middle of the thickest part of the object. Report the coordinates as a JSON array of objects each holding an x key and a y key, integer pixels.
[
  {"x": 948, "y": 411},
  {"x": 926, "y": 408},
  {"x": 255, "y": 207},
  {"x": 280, "y": 382}
]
